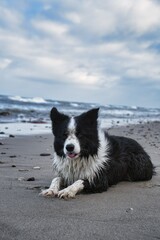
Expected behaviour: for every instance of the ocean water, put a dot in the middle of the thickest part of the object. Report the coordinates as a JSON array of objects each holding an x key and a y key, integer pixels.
[{"x": 17, "y": 109}]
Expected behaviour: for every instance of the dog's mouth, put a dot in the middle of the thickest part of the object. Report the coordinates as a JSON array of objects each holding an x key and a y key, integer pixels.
[{"x": 72, "y": 155}]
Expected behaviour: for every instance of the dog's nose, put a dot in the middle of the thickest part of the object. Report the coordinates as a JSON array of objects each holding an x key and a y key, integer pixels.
[{"x": 70, "y": 147}]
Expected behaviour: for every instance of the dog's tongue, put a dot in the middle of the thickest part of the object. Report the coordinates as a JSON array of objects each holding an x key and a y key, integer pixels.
[{"x": 72, "y": 155}]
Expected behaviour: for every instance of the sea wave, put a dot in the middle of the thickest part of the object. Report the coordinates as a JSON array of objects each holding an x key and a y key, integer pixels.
[
  {"x": 74, "y": 104},
  {"x": 31, "y": 100},
  {"x": 23, "y": 109}
]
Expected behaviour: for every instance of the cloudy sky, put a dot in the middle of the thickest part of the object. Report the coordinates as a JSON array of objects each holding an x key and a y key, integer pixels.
[{"x": 105, "y": 51}]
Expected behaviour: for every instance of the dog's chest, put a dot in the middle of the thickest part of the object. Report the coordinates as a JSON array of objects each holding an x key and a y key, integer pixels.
[{"x": 72, "y": 170}]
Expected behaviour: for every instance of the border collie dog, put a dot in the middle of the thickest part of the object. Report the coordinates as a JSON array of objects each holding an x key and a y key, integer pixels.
[{"x": 88, "y": 159}]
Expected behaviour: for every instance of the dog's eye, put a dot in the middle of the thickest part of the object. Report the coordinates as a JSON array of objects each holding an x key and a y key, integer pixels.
[
  {"x": 65, "y": 134},
  {"x": 78, "y": 133}
]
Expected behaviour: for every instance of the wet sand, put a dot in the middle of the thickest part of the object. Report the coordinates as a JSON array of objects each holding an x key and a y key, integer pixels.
[{"x": 126, "y": 211}]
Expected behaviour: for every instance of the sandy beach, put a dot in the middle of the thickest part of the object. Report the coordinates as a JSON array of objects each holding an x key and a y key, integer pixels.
[{"x": 126, "y": 211}]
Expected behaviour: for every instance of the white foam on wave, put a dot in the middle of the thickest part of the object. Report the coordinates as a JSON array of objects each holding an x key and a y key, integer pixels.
[
  {"x": 74, "y": 104},
  {"x": 56, "y": 103},
  {"x": 117, "y": 112},
  {"x": 134, "y": 107},
  {"x": 31, "y": 100}
]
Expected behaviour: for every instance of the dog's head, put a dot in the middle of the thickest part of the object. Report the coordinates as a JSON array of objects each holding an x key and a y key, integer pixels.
[{"x": 75, "y": 136}]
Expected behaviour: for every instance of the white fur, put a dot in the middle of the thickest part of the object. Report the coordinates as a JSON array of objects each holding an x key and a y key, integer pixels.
[
  {"x": 72, "y": 170},
  {"x": 53, "y": 189},
  {"x": 72, "y": 139},
  {"x": 71, "y": 190},
  {"x": 72, "y": 125}
]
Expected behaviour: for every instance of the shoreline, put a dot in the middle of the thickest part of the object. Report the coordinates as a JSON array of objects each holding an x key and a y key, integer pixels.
[
  {"x": 31, "y": 128},
  {"x": 129, "y": 210},
  {"x": 24, "y": 129}
]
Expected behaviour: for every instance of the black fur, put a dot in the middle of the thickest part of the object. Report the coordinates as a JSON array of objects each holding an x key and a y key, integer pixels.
[
  {"x": 87, "y": 132},
  {"x": 128, "y": 162},
  {"x": 59, "y": 129}
]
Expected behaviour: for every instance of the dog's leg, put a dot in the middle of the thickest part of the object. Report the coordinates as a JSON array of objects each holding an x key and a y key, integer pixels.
[
  {"x": 54, "y": 188},
  {"x": 71, "y": 190},
  {"x": 99, "y": 184}
]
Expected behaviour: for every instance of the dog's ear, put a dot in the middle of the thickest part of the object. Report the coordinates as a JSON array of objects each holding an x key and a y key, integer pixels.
[
  {"x": 56, "y": 116},
  {"x": 90, "y": 117},
  {"x": 93, "y": 113}
]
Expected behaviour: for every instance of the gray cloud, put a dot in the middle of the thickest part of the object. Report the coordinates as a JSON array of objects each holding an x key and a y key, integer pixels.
[{"x": 90, "y": 51}]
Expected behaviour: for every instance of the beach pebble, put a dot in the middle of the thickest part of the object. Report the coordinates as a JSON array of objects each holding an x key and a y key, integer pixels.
[
  {"x": 21, "y": 179},
  {"x": 13, "y": 165},
  {"x": 11, "y": 136},
  {"x": 2, "y": 132},
  {"x": 13, "y": 156},
  {"x": 35, "y": 187},
  {"x": 1, "y": 143},
  {"x": 129, "y": 210},
  {"x": 30, "y": 179},
  {"x": 23, "y": 170},
  {"x": 45, "y": 154},
  {"x": 36, "y": 168}
]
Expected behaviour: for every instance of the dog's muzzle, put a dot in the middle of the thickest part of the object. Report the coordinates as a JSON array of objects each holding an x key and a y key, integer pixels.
[{"x": 70, "y": 151}]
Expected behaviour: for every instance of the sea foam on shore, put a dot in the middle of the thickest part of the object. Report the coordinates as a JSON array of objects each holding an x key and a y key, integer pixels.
[{"x": 7, "y": 129}]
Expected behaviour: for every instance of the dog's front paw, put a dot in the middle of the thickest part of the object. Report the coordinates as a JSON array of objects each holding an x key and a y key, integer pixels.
[
  {"x": 66, "y": 193},
  {"x": 48, "y": 193}
]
